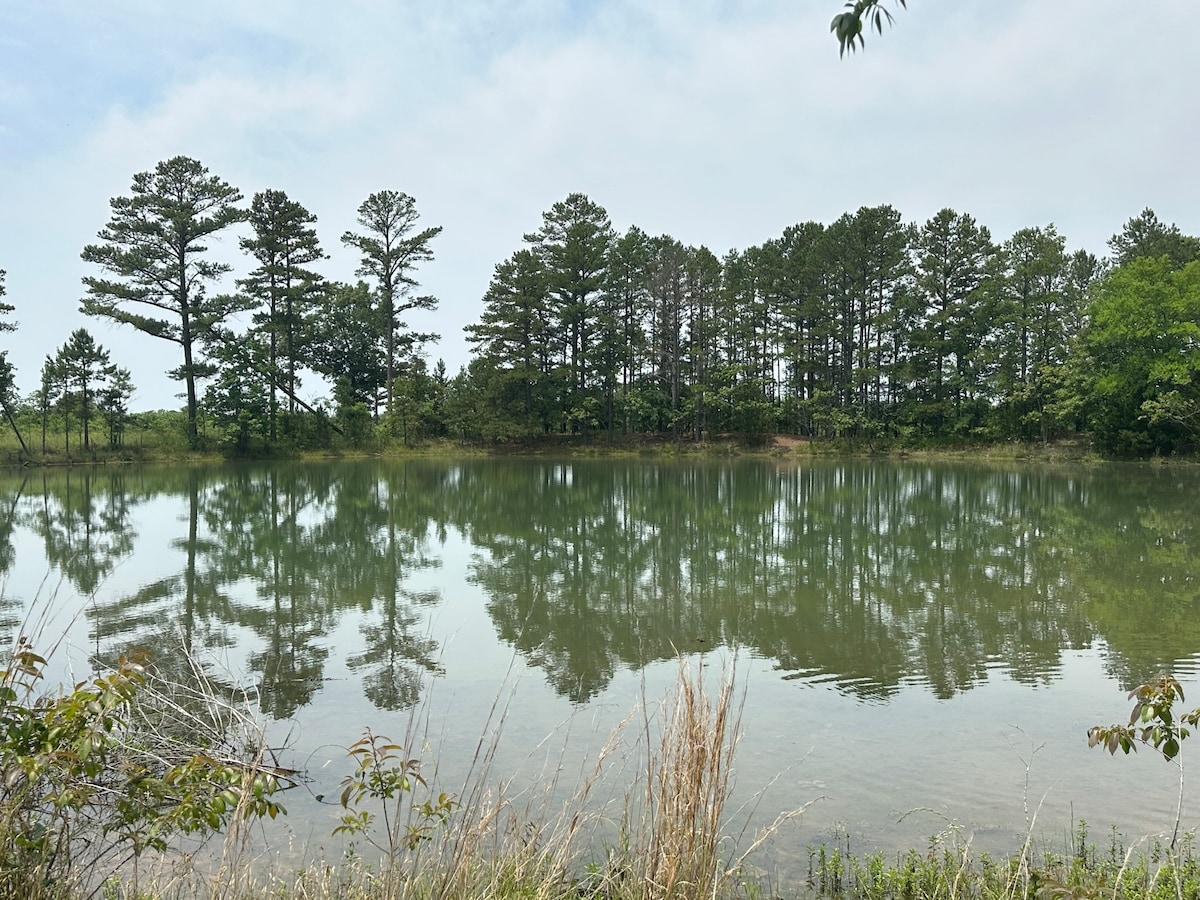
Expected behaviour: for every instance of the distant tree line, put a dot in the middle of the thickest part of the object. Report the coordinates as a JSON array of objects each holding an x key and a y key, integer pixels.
[{"x": 867, "y": 329}]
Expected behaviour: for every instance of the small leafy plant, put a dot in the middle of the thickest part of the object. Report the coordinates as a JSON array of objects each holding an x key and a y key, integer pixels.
[
  {"x": 383, "y": 773},
  {"x": 1153, "y": 722}
]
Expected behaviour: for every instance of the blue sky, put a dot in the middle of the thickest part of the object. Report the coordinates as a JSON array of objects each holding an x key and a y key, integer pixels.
[{"x": 719, "y": 122}]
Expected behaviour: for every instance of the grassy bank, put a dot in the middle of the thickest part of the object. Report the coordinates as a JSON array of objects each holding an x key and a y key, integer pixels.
[
  {"x": 109, "y": 786},
  {"x": 157, "y": 448},
  {"x": 1146, "y": 872},
  {"x": 160, "y": 436},
  {"x": 946, "y": 874}
]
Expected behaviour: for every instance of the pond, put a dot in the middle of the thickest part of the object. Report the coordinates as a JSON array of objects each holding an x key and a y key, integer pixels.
[{"x": 920, "y": 647}]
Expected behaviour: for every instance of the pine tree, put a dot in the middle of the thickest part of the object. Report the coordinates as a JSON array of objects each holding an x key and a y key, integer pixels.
[
  {"x": 84, "y": 370},
  {"x": 1146, "y": 237},
  {"x": 283, "y": 243},
  {"x": 952, "y": 320},
  {"x": 628, "y": 300},
  {"x": 1032, "y": 316},
  {"x": 154, "y": 245},
  {"x": 113, "y": 403},
  {"x": 513, "y": 334},
  {"x": 573, "y": 244},
  {"x": 390, "y": 253}
]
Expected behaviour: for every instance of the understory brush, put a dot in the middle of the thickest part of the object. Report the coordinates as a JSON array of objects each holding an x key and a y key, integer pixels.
[
  {"x": 646, "y": 819},
  {"x": 94, "y": 782},
  {"x": 97, "y": 775}
]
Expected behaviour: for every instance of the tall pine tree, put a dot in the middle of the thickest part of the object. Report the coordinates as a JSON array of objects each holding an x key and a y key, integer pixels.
[
  {"x": 573, "y": 244},
  {"x": 283, "y": 289},
  {"x": 390, "y": 252},
  {"x": 154, "y": 245}
]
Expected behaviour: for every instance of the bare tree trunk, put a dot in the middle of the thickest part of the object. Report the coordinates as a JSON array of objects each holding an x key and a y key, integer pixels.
[{"x": 11, "y": 421}]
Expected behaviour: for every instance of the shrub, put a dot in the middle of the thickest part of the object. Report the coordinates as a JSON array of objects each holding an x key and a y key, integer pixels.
[{"x": 95, "y": 775}]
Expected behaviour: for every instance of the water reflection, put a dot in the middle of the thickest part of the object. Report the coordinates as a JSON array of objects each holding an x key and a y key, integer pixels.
[{"x": 871, "y": 576}]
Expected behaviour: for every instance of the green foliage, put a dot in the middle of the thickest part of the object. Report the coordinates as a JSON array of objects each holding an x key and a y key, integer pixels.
[
  {"x": 868, "y": 330},
  {"x": 573, "y": 246},
  {"x": 351, "y": 414},
  {"x": 154, "y": 248},
  {"x": 384, "y": 775},
  {"x": 418, "y": 404},
  {"x": 865, "y": 330},
  {"x": 1145, "y": 237},
  {"x": 84, "y": 785},
  {"x": 343, "y": 331},
  {"x": 1152, "y": 722},
  {"x": 1143, "y": 345},
  {"x": 390, "y": 252},
  {"x": 87, "y": 383},
  {"x": 113, "y": 403},
  {"x": 847, "y": 26},
  {"x": 168, "y": 426},
  {"x": 1036, "y": 310},
  {"x": 237, "y": 399},
  {"x": 282, "y": 289},
  {"x": 514, "y": 342},
  {"x": 948, "y": 870}
]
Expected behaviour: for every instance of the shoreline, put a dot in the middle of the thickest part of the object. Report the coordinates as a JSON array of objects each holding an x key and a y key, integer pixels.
[{"x": 1074, "y": 451}]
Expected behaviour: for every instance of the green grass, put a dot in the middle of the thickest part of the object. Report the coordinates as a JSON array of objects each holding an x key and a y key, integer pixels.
[{"x": 948, "y": 870}]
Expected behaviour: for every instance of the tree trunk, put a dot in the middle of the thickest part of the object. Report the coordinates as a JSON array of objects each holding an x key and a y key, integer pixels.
[{"x": 11, "y": 421}]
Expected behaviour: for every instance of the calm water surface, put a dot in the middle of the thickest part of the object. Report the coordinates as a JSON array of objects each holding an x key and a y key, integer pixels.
[{"x": 922, "y": 647}]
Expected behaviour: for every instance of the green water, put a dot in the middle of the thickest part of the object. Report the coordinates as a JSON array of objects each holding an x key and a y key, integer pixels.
[{"x": 922, "y": 645}]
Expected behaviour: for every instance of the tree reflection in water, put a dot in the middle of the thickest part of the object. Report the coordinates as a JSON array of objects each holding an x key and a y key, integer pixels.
[{"x": 868, "y": 575}]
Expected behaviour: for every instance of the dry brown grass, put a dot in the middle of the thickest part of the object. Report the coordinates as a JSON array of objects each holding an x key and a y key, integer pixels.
[
  {"x": 687, "y": 786},
  {"x": 645, "y": 819}
]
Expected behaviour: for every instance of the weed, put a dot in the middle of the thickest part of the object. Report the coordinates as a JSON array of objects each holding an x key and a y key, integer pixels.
[{"x": 382, "y": 774}]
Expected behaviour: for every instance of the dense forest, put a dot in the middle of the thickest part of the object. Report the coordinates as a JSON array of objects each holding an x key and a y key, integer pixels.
[{"x": 867, "y": 329}]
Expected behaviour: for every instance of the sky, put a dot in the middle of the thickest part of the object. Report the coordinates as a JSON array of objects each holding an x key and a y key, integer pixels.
[{"x": 718, "y": 122}]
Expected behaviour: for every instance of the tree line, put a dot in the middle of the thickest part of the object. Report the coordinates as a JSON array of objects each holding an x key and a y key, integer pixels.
[
  {"x": 246, "y": 346},
  {"x": 868, "y": 329}
]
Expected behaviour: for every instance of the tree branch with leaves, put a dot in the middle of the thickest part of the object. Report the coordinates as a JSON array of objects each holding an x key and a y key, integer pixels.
[
  {"x": 860, "y": 16},
  {"x": 1153, "y": 723}
]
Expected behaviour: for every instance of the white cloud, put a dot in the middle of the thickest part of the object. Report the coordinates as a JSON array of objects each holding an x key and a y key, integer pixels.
[{"x": 717, "y": 122}]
